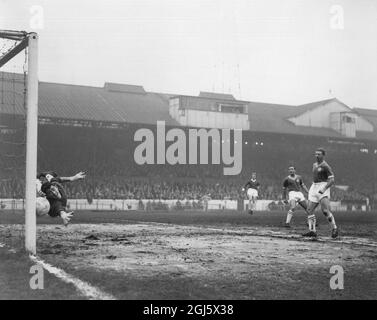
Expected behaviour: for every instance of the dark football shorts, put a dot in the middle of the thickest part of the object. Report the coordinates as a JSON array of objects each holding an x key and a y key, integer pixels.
[{"x": 56, "y": 206}]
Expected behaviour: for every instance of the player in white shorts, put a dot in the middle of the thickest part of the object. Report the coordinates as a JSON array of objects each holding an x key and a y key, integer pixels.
[
  {"x": 252, "y": 187},
  {"x": 293, "y": 185},
  {"x": 319, "y": 193}
]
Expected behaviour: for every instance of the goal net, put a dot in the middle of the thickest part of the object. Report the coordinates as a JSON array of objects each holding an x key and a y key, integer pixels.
[{"x": 18, "y": 129}]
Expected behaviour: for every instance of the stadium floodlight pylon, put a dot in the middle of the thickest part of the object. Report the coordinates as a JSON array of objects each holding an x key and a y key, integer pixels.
[{"x": 21, "y": 40}]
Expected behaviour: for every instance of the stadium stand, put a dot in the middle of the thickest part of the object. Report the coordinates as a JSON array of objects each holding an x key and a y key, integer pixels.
[{"x": 92, "y": 129}]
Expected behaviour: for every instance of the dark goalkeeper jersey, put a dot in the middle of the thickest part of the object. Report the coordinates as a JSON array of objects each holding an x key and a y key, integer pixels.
[{"x": 46, "y": 185}]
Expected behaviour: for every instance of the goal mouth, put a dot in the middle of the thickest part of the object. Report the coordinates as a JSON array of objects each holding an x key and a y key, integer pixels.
[{"x": 19, "y": 123}]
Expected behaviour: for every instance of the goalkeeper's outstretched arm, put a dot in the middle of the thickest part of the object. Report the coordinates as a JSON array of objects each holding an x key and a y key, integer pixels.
[{"x": 77, "y": 176}]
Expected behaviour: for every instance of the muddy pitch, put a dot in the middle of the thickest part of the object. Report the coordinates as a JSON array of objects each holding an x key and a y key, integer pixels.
[{"x": 162, "y": 261}]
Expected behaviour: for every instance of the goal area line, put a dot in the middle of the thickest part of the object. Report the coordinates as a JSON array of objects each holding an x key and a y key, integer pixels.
[{"x": 83, "y": 288}]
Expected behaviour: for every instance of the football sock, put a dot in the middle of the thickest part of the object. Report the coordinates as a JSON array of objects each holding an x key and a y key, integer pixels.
[
  {"x": 331, "y": 219},
  {"x": 309, "y": 224},
  {"x": 289, "y": 216},
  {"x": 312, "y": 221}
]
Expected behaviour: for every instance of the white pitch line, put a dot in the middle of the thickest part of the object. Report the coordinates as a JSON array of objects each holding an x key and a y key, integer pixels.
[{"x": 83, "y": 287}]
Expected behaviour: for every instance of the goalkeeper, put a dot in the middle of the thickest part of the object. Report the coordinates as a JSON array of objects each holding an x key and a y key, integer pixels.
[{"x": 52, "y": 188}]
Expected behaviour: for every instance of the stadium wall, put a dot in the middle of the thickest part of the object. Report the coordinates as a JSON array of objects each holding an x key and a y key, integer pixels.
[{"x": 132, "y": 205}]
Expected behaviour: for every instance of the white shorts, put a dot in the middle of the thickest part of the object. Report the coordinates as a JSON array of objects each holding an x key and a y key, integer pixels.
[
  {"x": 252, "y": 193},
  {"x": 296, "y": 195},
  {"x": 314, "y": 195}
]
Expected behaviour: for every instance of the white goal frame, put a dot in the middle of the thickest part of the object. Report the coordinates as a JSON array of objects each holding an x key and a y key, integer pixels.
[{"x": 29, "y": 41}]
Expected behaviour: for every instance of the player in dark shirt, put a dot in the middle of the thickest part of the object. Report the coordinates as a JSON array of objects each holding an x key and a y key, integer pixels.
[
  {"x": 319, "y": 193},
  {"x": 53, "y": 190},
  {"x": 252, "y": 187},
  {"x": 253, "y": 184},
  {"x": 292, "y": 186}
]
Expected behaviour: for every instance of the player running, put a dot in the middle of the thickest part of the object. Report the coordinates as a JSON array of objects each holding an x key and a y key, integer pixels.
[
  {"x": 51, "y": 186},
  {"x": 252, "y": 188},
  {"x": 293, "y": 185},
  {"x": 319, "y": 193}
]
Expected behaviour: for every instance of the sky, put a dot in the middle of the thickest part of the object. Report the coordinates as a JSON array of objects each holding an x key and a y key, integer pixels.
[{"x": 286, "y": 52}]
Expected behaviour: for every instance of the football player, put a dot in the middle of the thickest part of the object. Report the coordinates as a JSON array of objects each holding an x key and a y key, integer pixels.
[
  {"x": 292, "y": 186},
  {"x": 51, "y": 186},
  {"x": 319, "y": 193},
  {"x": 252, "y": 187}
]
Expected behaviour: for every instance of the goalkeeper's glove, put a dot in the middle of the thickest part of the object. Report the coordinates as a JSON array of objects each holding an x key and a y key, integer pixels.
[{"x": 80, "y": 175}]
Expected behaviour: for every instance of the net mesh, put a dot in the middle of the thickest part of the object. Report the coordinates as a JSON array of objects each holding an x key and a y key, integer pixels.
[{"x": 13, "y": 92}]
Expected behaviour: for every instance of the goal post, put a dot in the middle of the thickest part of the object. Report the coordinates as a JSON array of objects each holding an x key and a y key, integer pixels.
[
  {"x": 31, "y": 144},
  {"x": 27, "y": 41}
]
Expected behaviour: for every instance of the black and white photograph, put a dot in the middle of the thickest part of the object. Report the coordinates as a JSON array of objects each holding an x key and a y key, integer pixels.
[{"x": 189, "y": 151}]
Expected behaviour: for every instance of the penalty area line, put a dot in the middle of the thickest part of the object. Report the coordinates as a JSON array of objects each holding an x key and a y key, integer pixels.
[{"x": 84, "y": 288}]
